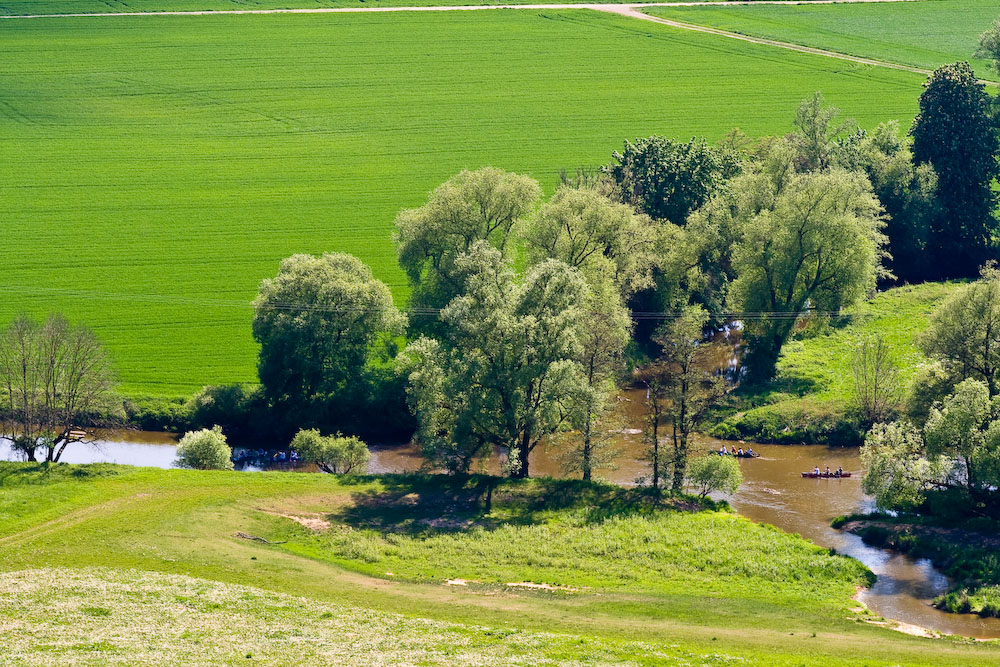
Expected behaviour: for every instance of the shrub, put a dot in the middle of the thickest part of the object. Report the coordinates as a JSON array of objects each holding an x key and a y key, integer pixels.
[
  {"x": 715, "y": 473},
  {"x": 205, "y": 450},
  {"x": 335, "y": 454}
]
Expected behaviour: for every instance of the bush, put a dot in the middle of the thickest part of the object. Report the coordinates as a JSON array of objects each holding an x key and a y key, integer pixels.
[
  {"x": 335, "y": 454},
  {"x": 205, "y": 450},
  {"x": 715, "y": 473}
]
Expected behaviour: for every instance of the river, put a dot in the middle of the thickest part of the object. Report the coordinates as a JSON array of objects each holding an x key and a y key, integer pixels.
[{"x": 773, "y": 491}]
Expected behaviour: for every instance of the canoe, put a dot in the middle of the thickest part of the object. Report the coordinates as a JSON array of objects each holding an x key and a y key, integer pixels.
[
  {"x": 739, "y": 456},
  {"x": 824, "y": 475}
]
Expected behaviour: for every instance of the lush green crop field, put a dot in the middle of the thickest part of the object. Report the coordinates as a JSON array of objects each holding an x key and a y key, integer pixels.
[
  {"x": 120, "y": 546},
  {"x": 155, "y": 169},
  {"x": 928, "y": 33}
]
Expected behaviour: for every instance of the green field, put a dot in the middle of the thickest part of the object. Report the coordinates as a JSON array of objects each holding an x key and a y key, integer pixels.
[
  {"x": 684, "y": 588},
  {"x": 156, "y": 169},
  {"x": 927, "y": 33}
]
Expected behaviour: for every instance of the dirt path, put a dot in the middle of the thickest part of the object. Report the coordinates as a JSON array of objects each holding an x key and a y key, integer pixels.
[
  {"x": 630, "y": 10},
  {"x": 614, "y": 8}
]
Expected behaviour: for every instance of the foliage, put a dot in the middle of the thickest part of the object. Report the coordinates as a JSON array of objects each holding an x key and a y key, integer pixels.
[
  {"x": 877, "y": 387},
  {"x": 601, "y": 358},
  {"x": 714, "y": 473},
  {"x": 334, "y": 454},
  {"x": 488, "y": 205},
  {"x": 816, "y": 139},
  {"x": 691, "y": 385},
  {"x": 956, "y": 133},
  {"x": 600, "y": 237},
  {"x": 989, "y": 45},
  {"x": 53, "y": 376},
  {"x": 205, "y": 450},
  {"x": 896, "y": 470},
  {"x": 812, "y": 396},
  {"x": 667, "y": 179},
  {"x": 907, "y": 192},
  {"x": 317, "y": 323},
  {"x": 964, "y": 332},
  {"x": 205, "y": 206},
  {"x": 959, "y": 450},
  {"x": 809, "y": 240},
  {"x": 506, "y": 367}
]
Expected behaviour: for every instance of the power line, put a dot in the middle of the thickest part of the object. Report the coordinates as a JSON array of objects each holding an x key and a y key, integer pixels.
[{"x": 412, "y": 311}]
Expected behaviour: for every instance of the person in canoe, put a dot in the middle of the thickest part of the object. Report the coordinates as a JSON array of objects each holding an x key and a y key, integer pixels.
[
  {"x": 827, "y": 471},
  {"x": 723, "y": 451},
  {"x": 840, "y": 472},
  {"x": 750, "y": 452},
  {"x": 816, "y": 470},
  {"x": 740, "y": 454},
  {"x": 734, "y": 450}
]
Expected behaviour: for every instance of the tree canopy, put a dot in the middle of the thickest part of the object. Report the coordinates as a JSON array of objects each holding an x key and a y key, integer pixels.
[
  {"x": 505, "y": 369},
  {"x": 486, "y": 205},
  {"x": 964, "y": 332},
  {"x": 317, "y": 323},
  {"x": 205, "y": 450},
  {"x": 668, "y": 179},
  {"x": 811, "y": 240},
  {"x": 956, "y": 133}
]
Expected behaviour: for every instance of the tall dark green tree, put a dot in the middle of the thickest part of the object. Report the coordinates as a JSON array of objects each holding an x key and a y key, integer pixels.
[
  {"x": 956, "y": 133},
  {"x": 318, "y": 322},
  {"x": 668, "y": 179}
]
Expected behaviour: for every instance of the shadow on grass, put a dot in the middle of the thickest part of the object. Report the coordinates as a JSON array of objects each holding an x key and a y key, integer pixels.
[
  {"x": 14, "y": 473},
  {"x": 426, "y": 504}
]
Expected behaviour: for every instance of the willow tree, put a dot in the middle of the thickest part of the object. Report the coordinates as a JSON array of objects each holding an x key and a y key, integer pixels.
[
  {"x": 957, "y": 451},
  {"x": 802, "y": 241},
  {"x": 487, "y": 205},
  {"x": 691, "y": 384},
  {"x": 964, "y": 332},
  {"x": 505, "y": 371},
  {"x": 616, "y": 250}
]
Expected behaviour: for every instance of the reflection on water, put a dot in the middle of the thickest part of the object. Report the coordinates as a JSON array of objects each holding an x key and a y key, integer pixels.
[
  {"x": 135, "y": 448},
  {"x": 773, "y": 492}
]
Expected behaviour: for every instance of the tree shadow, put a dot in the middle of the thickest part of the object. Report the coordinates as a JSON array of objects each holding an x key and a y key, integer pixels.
[{"x": 417, "y": 504}]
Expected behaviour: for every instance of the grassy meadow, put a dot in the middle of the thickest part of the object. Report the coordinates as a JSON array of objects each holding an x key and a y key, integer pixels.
[
  {"x": 115, "y": 565},
  {"x": 814, "y": 386},
  {"x": 156, "y": 169},
  {"x": 926, "y": 33}
]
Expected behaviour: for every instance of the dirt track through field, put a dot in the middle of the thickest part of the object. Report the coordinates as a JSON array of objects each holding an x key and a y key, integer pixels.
[{"x": 629, "y": 10}]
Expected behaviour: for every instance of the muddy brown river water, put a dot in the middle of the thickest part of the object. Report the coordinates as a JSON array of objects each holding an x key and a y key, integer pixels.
[{"x": 773, "y": 492}]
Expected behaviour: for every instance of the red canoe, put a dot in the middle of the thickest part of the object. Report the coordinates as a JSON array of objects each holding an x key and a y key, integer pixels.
[{"x": 826, "y": 475}]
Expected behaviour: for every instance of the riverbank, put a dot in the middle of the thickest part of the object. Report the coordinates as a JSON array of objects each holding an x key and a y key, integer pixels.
[
  {"x": 727, "y": 590},
  {"x": 811, "y": 400},
  {"x": 968, "y": 557}
]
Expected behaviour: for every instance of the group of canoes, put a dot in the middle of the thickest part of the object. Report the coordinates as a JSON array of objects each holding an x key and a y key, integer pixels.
[
  {"x": 827, "y": 474},
  {"x": 738, "y": 452}
]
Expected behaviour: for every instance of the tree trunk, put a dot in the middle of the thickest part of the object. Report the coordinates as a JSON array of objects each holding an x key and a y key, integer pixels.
[
  {"x": 587, "y": 448},
  {"x": 523, "y": 450},
  {"x": 680, "y": 461}
]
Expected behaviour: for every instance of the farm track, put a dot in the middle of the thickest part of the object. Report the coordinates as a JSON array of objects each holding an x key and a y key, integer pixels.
[{"x": 628, "y": 10}]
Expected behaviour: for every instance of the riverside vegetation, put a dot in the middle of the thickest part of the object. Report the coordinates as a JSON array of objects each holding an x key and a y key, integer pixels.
[{"x": 157, "y": 556}]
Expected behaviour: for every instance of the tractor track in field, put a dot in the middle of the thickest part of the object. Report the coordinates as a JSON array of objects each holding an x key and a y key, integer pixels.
[{"x": 630, "y": 10}]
